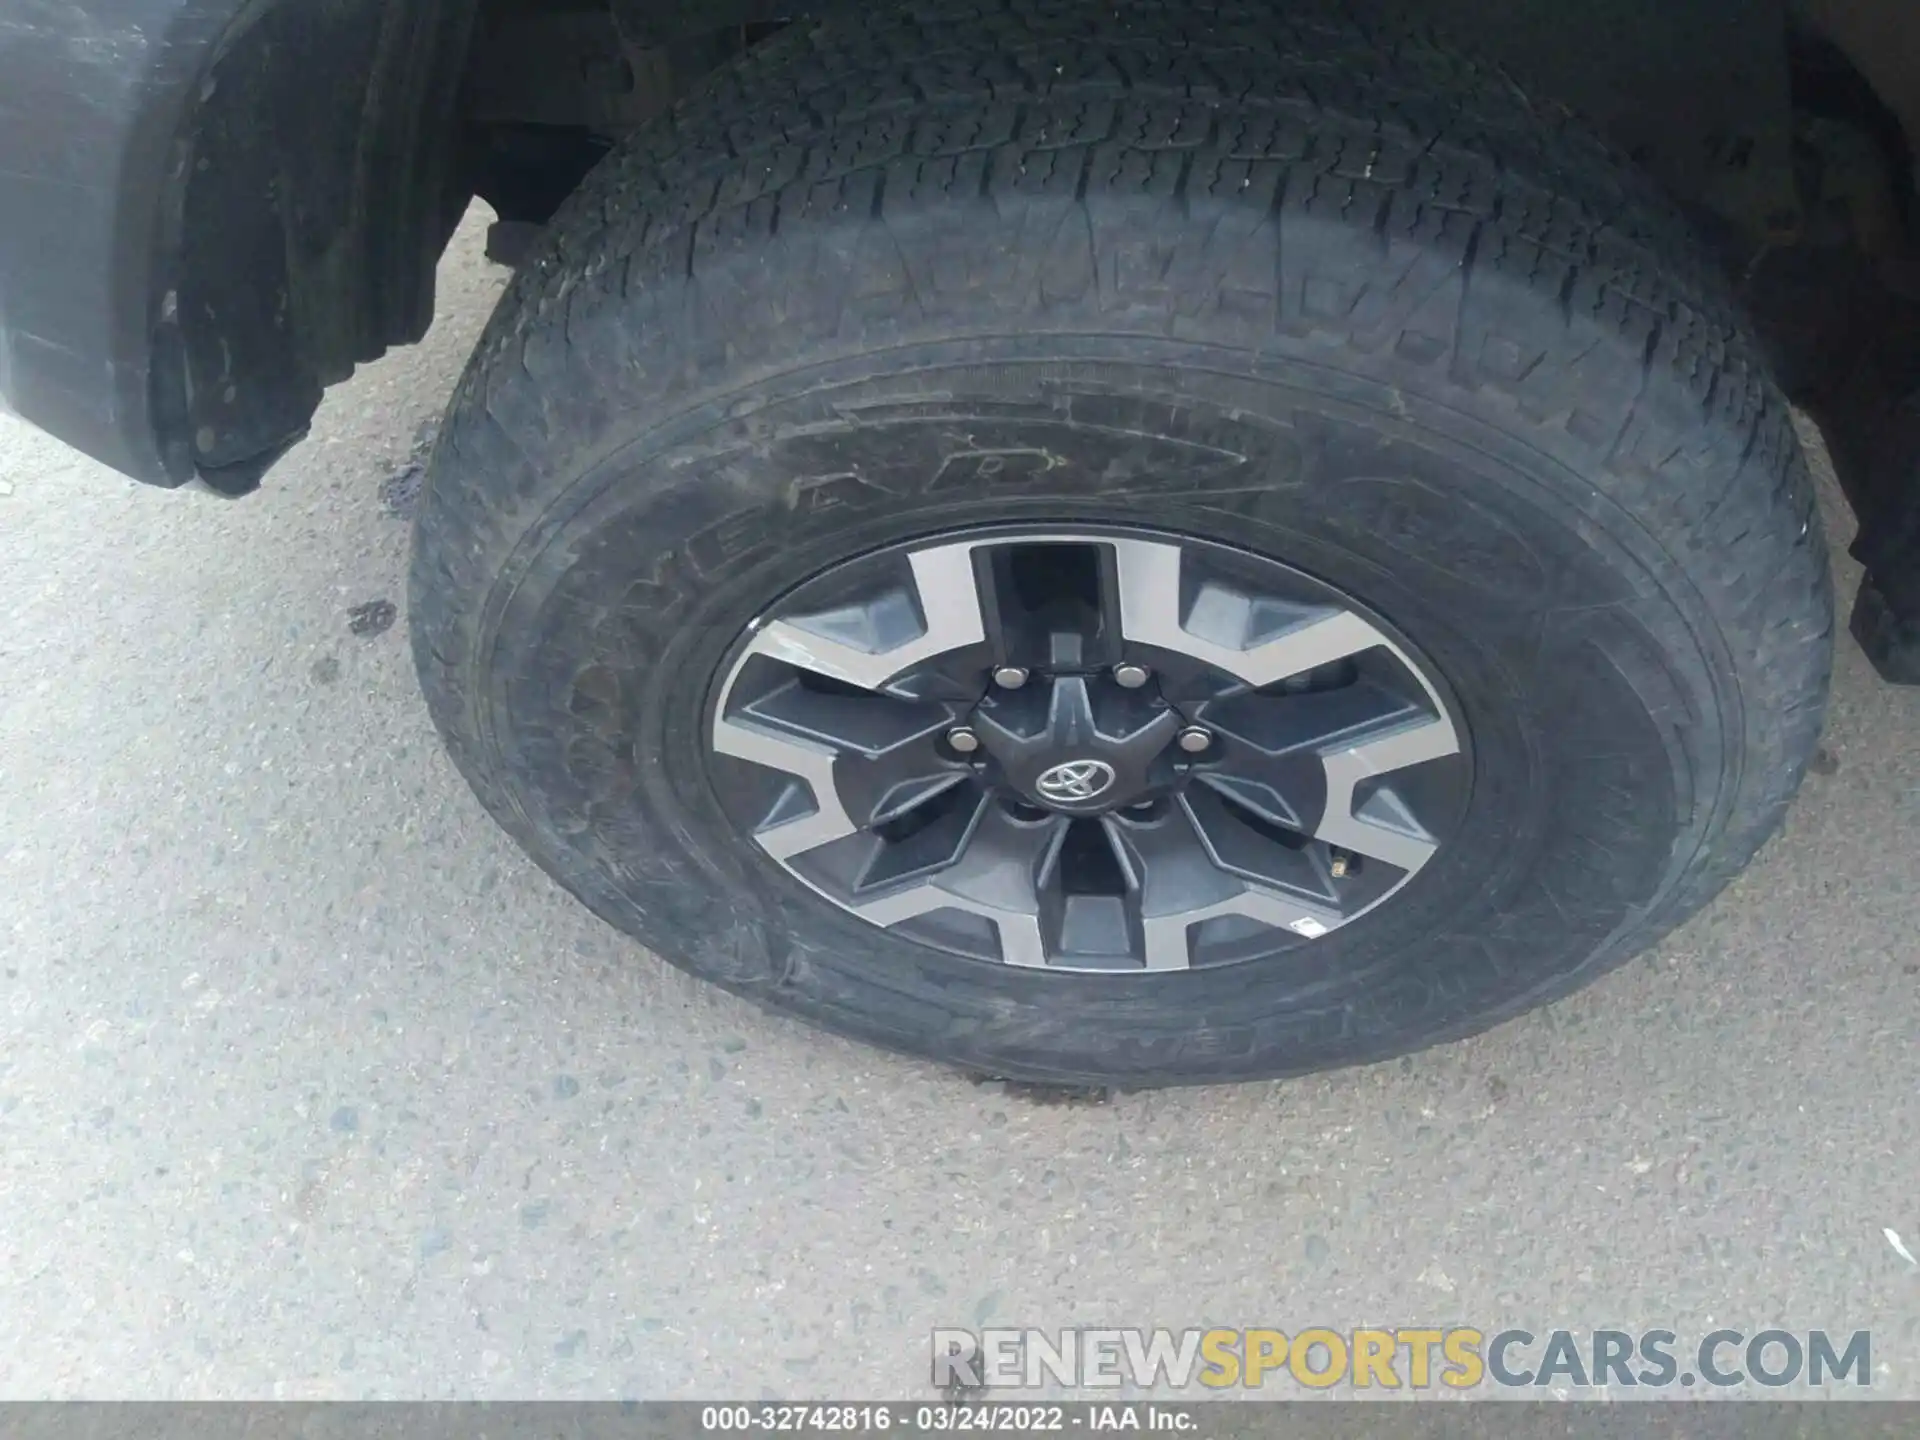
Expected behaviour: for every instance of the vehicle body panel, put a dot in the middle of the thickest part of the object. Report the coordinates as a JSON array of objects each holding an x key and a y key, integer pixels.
[{"x": 92, "y": 95}]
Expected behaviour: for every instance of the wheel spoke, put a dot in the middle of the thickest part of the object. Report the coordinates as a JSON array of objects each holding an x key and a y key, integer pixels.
[
  {"x": 879, "y": 787},
  {"x": 1270, "y": 747},
  {"x": 924, "y": 838},
  {"x": 1171, "y": 937},
  {"x": 1259, "y": 641},
  {"x": 1170, "y": 877},
  {"x": 1246, "y": 844},
  {"x": 860, "y": 755},
  {"x": 1312, "y": 643},
  {"x": 785, "y": 834},
  {"x": 1314, "y": 721},
  {"x": 1090, "y": 899},
  {"x": 996, "y": 877},
  {"x": 1180, "y": 884},
  {"x": 868, "y": 644},
  {"x": 1046, "y": 605},
  {"x": 1380, "y": 828}
]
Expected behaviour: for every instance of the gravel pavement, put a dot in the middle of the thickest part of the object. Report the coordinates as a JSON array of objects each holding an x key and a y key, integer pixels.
[{"x": 311, "y": 1086}]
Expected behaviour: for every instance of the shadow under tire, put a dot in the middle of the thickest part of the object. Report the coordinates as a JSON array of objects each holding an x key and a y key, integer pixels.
[{"x": 1245, "y": 275}]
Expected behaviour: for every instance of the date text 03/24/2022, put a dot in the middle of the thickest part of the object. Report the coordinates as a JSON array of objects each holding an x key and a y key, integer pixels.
[{"x": 949, "y": 1417}]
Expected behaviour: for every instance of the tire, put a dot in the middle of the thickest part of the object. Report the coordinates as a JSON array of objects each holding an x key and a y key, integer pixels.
[{"x": 1246, "y": 272}]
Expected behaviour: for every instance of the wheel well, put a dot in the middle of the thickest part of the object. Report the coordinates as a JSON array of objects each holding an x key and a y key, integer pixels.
[
  {"x": 1786, "y": 127},
  {"x": 317, "y": 190}
]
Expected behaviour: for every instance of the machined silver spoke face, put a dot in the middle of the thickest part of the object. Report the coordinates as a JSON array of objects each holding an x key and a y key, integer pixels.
[{"x": 1091, "y": 750}]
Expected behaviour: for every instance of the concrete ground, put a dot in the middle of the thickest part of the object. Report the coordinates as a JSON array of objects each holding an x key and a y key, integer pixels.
[{"x": 311, "y": 1086}]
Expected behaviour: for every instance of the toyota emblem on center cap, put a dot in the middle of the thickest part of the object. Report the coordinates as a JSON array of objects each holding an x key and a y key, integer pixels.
[{"x": 1075, "y": 780}]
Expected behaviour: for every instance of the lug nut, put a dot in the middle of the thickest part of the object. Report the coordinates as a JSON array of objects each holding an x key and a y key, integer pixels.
[
  {"x": 963, "y": 740},
  {"x": 1132, "y": 677},
  {"x": 1193, "y": 739},
  {"x": 1009, "y": 677},
  {"x": 1341, "y": 864}
]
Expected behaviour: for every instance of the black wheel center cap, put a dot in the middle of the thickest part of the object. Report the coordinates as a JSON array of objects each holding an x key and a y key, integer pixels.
[{"x": 1079, "y": 744}]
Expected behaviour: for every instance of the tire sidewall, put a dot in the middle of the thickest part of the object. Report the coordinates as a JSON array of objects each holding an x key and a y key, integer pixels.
[{"x": 1570, "y": 639}]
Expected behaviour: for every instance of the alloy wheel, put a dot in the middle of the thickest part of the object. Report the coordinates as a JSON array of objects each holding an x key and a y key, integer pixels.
[{"x": 1087, "y": 750}]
